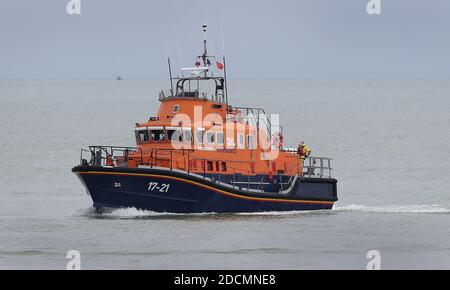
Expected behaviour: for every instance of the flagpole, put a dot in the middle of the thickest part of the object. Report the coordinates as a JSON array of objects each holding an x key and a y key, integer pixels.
[{"x": 226, "y": 82}]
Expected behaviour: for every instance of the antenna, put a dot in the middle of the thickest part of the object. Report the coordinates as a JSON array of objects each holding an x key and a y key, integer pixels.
[{"x": 170, "y": 74}]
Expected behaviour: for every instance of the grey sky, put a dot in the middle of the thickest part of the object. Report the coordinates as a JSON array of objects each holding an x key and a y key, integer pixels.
[{"x": 295, "y": 39}]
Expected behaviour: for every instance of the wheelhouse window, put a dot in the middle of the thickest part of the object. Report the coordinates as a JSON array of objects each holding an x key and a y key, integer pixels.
[
  {"x": 250, "y": 143},
  {"x": 241, "y": 141},
  {"x": 157, "y": 135},
  {"x": 187, "y": 135},
  {"x": 199, "y": 135},
  {"x": 174, "y": 134},
  {"x": 142, "y": 136},
  {"x": 210, "y": 137},
  {"x": 219, "y": 138}
]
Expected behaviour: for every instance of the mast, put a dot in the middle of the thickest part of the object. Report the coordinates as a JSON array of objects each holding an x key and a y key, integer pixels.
[{"x": 205, "y": 51}]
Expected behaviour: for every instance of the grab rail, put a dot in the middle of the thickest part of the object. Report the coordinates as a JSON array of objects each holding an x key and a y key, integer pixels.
[
  {"x": 165, "y": 158},
  {"x": 313, "y": 164},
  {"x": 113, "y": 156},
  {"x": 183, "y": 159},
  {"x": 259, "y": 117}
]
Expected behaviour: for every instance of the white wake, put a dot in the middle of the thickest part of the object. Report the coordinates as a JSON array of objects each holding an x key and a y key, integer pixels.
[
  {"x": 426, "y": 208},
  {"x": 138, "y": 213},
  {"x": 132, "y": 212}
]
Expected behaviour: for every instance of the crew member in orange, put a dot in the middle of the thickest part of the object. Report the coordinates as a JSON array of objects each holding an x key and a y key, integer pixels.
[
  {"x": 303, "y": 150},
  {"x": 109, "y": 160}
]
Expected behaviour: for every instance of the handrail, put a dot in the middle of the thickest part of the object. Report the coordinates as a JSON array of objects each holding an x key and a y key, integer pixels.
[
  {"x": 187, "y": 156},
  {"x": 257, "y": 113},
  {"x": 257, "y": 118},
  {"x": 118, "y": 156},
  {"x": 309, "y": 167},
  {"x": 105, "y": 155},
  {"x": 182, "y": 160},
  {"x": 193, "y": 91}
]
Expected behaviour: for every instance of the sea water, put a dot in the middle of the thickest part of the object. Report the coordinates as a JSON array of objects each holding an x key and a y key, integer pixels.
[{"x": 389, "y": 141}]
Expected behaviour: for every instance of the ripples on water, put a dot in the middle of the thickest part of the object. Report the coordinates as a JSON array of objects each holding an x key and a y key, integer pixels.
[{"x": 393, "y": 194}]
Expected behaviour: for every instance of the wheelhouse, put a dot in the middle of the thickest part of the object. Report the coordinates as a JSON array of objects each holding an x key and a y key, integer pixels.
[{"x": 150, "y": 135}]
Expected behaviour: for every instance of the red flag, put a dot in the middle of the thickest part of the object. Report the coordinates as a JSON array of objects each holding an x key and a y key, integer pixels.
[{"x": 219, "y": 65}]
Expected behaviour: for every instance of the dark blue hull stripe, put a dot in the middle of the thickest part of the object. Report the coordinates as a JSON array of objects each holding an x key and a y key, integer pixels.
[{"x": 131, "y": 189}]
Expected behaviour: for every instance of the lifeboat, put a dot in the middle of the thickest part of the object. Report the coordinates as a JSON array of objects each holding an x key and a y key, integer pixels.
[{"x": 200, "y": 154}]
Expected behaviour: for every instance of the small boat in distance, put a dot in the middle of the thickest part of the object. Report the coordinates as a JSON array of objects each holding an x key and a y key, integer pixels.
[
  {"x": 200, "y": 154},
  {"x": 119, "y": 78}
]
